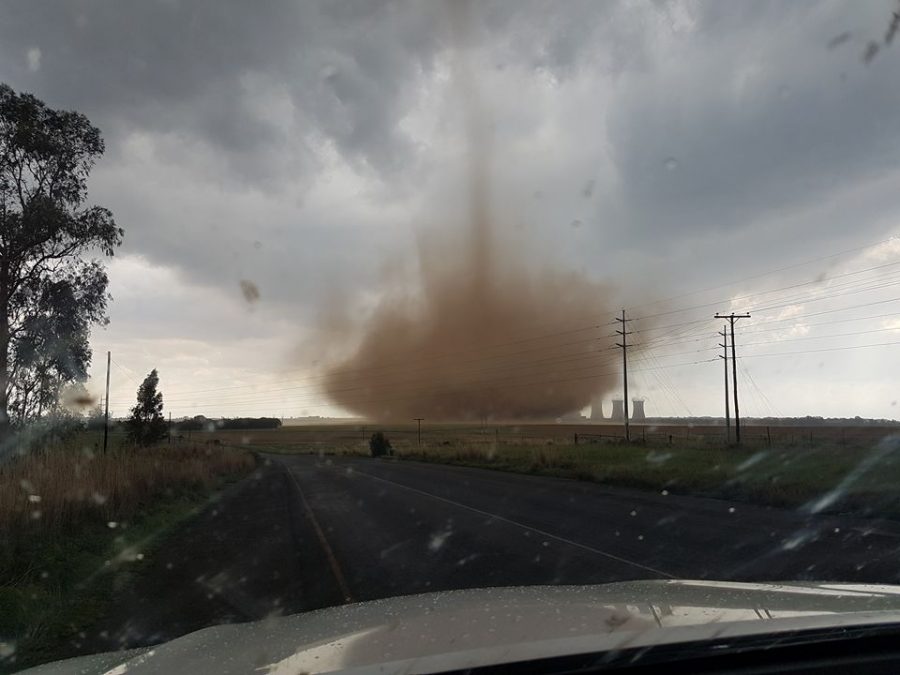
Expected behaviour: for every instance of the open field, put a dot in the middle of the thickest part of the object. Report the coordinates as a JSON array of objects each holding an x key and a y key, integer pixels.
[
  {"x": 73, "y": 522},
  {"x": 851, "y": 469}
]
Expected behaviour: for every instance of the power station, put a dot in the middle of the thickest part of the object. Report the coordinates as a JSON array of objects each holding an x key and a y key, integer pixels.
[{"x": 618, "y": 410}]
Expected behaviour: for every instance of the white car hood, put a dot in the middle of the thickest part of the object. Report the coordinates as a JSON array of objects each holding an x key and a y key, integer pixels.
[{"x": 433, "y": 632}]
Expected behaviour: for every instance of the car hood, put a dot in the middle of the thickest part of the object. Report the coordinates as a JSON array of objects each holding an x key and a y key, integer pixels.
[{"x": 462, "y": 629}]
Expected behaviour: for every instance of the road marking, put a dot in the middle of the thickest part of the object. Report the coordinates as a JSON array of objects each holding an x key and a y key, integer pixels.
[
  {"x": 329, "y": 553},
  {"x": 570, "y": 542}
]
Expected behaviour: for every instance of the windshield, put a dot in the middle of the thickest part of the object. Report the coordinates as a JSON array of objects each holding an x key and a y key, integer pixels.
[{"x": 311, "y": 304}]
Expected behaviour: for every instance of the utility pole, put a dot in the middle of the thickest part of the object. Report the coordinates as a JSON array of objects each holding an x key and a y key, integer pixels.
[
  {"x": 106, "y": 414},
  {"x": 170, "y": 427},
  {"x": 724, "y": 357},
  {"x": 419, "y": 420},
  {"x": 624, "y": 345},
  {"x": 737, "y": 415}
]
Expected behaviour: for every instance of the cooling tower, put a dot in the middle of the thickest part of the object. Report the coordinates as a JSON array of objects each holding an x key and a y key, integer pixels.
[
  {"x": 618, "y": 411},
  {"x": 637, "y": 409},
  {"x": 597, "y": 409}
]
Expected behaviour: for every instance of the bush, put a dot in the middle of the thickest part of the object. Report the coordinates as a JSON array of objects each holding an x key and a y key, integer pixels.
[{"x": 379, "y": 445}]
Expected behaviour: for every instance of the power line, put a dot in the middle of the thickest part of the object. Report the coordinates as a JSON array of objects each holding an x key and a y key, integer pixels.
[
  {"x": 816, "y": 351},
  {"x": 770, "y": 272}
]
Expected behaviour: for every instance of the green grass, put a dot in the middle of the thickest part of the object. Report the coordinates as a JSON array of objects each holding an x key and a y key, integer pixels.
[
  {"x": 780, "y": 477},
  {"x": 69, "y": 564},
  {"x": 795, "y": 471}
]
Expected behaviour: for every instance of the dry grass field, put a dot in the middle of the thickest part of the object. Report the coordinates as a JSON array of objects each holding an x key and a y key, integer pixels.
[
  {"x": 73, "y": 521},
  {"x": 852, "y": 469}
]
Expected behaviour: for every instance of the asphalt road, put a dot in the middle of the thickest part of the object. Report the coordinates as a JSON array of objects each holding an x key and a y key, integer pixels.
[
  {"x": 306, "y": 532},
  {"x": 404, "y": 527}
]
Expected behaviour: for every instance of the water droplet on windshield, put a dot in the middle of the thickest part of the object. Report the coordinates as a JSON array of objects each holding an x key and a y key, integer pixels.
[
  {"x": 328, "y": 71},
  {"x": 671, "y": 163}
]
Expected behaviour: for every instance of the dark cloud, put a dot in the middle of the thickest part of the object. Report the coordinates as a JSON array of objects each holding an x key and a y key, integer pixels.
[
  {"x": 739, "y": 121},
  {"x": 647, "y": 132},
  {"x": 214, "y": 71}
]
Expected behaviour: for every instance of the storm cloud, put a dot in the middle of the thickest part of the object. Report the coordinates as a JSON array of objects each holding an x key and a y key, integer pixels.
[{"x": 304, "y": 147}]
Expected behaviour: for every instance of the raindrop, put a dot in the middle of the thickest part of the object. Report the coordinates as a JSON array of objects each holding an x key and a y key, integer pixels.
[
  {"x": 588, "y": 190},
  {"x": 98, "y": 498},
  {"x": 437, "y": 541},
  {"x": 664, "y": 493},
  {"x": 640, "y": 537},
  {"x": 545, "y": 544},
  {"x": 730, "y": 509},
  {"x": 249, "y": 290},
  {"x": 836, "y": 530},
  {"x": 328, "y": 71},
  {"x": 257, "y": 245},
  {"x": 633, "y": 513},
  {"x": 34, "y": 499},
  {"x": 112, "y": 524},
  {"x": 36, "y": 514},
  {"x": 575, "y": 224},
  {"x": 671, "y": 163}
]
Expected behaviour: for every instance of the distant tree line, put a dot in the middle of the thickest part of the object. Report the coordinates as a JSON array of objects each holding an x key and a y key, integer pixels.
[{"x": 202, "y": 423}]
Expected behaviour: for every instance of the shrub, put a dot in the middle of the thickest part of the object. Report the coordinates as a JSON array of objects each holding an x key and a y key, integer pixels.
[{"x": 379, "y": 445}]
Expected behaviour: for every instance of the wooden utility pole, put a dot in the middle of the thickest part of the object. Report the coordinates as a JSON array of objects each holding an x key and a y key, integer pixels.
[
  {"x": 106, "y": 414},
  {"x": 170, "y": 427},
  {"x": 724, "y": 357},
  {"x": 419, "y": 420},
  {"x": 737, "y": 415},
  {"x": 624, "y": 345}
]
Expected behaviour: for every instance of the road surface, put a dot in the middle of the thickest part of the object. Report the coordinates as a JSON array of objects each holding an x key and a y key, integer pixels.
[{"x": 306, "y": 532}]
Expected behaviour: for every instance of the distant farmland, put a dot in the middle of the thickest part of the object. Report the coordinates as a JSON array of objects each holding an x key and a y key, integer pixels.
[{"x": 781, "y": 466}]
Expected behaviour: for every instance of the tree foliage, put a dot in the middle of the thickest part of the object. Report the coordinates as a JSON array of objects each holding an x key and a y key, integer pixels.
[
  {"x": 51, "y": 289},
  {"x": 146, "y": 424},
  {"x": 379, "y": 445}
]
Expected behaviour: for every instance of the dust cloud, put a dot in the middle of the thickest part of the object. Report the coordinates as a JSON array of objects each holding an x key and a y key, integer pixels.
[{"x": 488, "y": 331}]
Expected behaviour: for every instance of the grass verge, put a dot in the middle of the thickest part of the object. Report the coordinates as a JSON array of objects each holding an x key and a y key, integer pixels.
[
  {"x": 861, "y": 481},
  {"x": 75, "y": 526},
  {"x": 859, "y": 477}
]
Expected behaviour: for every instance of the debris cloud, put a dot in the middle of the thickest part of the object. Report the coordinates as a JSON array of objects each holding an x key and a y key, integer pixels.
[{"x": 489, "y": 332}]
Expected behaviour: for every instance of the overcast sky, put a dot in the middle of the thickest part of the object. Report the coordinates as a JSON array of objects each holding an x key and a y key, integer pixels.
[{"x": 302, "y": 148}]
